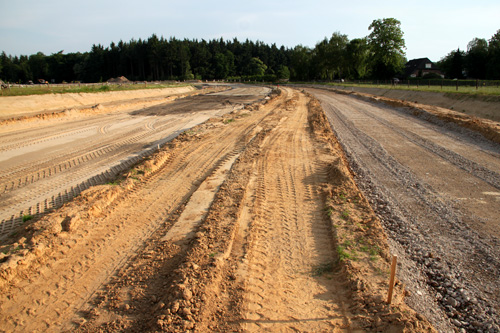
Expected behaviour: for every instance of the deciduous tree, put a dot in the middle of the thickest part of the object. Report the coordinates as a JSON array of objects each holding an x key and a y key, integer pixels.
[
  {"x": 387, "y": 47},
  {"x": 358, "y": 54},
  {"x": 256, "y": 67}
]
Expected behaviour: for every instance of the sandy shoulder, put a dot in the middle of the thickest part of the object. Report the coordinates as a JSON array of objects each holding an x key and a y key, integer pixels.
[{"x": 16, "y": 106}]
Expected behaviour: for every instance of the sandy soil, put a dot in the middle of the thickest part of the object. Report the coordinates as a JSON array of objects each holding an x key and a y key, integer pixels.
[
  {"x": 436, "y": 187},
  {"x": 45, "y": 162},
  {"x": 250, "y": 221},
  {"x": 15, "y": 107}
]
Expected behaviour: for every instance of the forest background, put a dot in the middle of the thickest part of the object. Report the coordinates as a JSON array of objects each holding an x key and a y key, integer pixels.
[{"x": 380, "y": 55}]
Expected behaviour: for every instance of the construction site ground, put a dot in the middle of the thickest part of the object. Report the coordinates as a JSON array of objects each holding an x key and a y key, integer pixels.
[{"x": 245, "y": 208}]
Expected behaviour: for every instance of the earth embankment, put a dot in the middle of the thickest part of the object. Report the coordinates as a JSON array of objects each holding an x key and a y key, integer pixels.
[
  {"x": 482, "y": 106},
  {"x": 435, "y": 186},
  {"x": 24, "y": 106}
]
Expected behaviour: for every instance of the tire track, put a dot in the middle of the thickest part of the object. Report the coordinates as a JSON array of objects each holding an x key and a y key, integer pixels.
[
  {"x": 76, "y": 273},
  {"x": 89, "y": 169},
  {"x": 44, "y": 139},
  {"x": 289, "y": 237},
  {"x": 463, "y": 266},
  {"x": 472, "y": 167}
]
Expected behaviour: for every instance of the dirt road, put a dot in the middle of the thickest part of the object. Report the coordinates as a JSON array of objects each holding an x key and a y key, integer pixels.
[
  {"x": 238, "y": 224},
  {"x": 436, "y": 187},
  {"x": 46, "y": 162},
  {"x": 290, "y": 235}
]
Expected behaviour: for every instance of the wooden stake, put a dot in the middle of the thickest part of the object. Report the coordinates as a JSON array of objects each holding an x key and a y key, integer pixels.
[{"x": 391, "y": 281}]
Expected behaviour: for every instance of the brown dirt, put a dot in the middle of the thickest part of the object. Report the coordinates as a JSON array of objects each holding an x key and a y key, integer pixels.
[
  {"x": 48, "y": 159},
  {"x": 15, "y": 107},
  {"x": 121, "y": 79},
  {"x": 275, "y": 251}
]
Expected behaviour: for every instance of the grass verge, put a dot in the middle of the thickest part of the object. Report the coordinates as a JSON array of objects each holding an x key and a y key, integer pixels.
[
  {"x": 462, "y": 90},
  {"x": 76, "y": 88}
]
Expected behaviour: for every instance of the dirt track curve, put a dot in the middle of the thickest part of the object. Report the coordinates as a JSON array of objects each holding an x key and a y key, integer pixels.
[
  {"x": 249, "y": 221},
  {"x": 436, "y": 187}
]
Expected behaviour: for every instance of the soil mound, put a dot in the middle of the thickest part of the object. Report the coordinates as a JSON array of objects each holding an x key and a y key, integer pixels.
[
  {"x": 121, "y": 79},
  {"x": 481, "y": 106}
]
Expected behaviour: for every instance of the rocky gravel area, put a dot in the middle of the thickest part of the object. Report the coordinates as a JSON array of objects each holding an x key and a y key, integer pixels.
[{"x": 451, "y": 269}]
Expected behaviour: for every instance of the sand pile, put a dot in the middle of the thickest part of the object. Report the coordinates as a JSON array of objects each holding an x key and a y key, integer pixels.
[{"x": 121, "y": 79}]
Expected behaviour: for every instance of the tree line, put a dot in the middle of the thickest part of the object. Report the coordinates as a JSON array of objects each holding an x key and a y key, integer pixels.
[
  {"x": 480, "y": 61},
  {"x": 380, "y": 55}
]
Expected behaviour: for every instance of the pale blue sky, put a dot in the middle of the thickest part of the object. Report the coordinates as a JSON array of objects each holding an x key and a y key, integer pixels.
[{"x": 431, "y": 28}]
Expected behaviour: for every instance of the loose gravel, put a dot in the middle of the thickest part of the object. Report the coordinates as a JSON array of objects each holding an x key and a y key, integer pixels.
[{"x": 451, "y": 270}]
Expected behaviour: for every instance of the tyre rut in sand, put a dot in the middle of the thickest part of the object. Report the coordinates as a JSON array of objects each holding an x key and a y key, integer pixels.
[
  {"x": 290, "y": 238},
  {"x": 264, "y": 256},
  {"x": 78, "y": 262}
]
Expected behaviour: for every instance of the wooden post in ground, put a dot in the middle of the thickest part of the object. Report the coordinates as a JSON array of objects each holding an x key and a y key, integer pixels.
[{"x": 392, "y": 278}]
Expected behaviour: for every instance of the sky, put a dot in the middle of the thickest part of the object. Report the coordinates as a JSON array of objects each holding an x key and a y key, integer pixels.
[{"x": 431, "y": 29}]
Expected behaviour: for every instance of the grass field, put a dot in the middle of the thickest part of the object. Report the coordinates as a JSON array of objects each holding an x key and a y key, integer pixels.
[{"x": 37, "y": 89}]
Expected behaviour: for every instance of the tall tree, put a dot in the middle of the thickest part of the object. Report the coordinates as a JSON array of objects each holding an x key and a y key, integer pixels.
[
  {"x": 200, "y": 59},
  {"x": 387, "y": 47},
  {"x": 23, "y": 69},
  {"x": 358, "y": 53},
  {"x": 300, "y": 62},
  {"x": 321, "y": 64},
  {"x": 154, "y": 57},
  {"x": 283, "y": 73},
  {"x": 476, "y": 58},
  {"x": 337, "y": 47},
  {"x": 256, "y": 67},
  {"x": 493, "y": 64},
  {"x": 221, "y": 66},
  {"x": 39, "y": 67},
  {"x": 94, "y": 67},
  {"x": 453, "y": 64}
]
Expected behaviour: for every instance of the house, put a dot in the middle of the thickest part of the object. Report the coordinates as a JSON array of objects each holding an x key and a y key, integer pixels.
[{"x": 421, "y": 67}]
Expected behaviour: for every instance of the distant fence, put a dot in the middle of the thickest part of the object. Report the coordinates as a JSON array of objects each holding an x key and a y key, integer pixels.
[{"x": 442, "y": 84}]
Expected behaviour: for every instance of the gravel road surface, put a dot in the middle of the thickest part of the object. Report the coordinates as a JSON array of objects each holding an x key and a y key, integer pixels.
[{"x": 436, "y": 187}]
